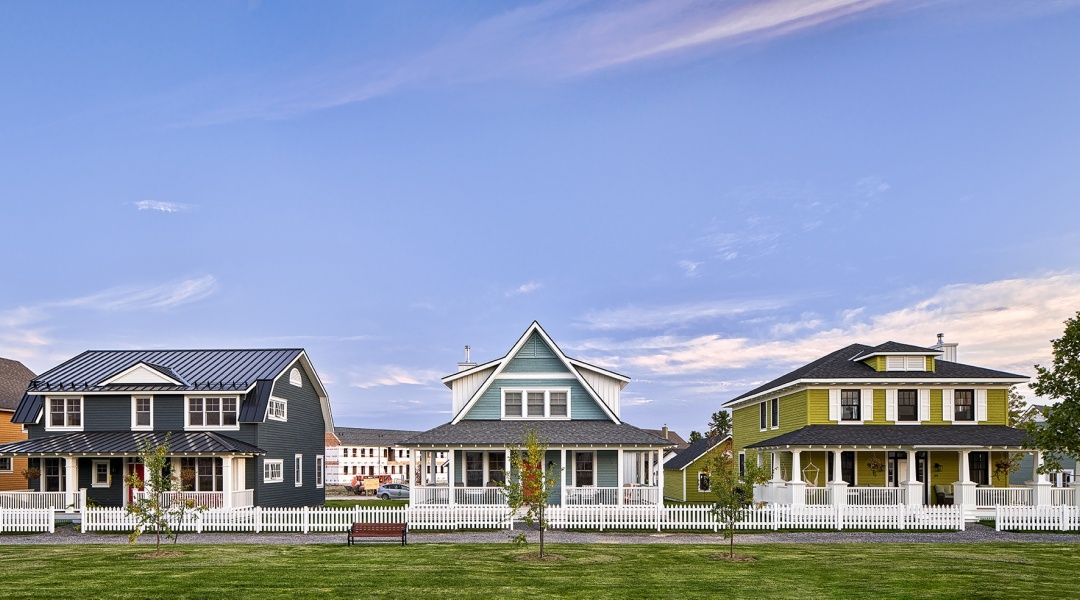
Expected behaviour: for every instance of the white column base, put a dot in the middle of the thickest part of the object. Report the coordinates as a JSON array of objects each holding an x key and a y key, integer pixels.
[
  {"x": 964, "y": 496},
  {"x": 914, "y": 493},
  {"x": 839, "y": 492},
  {"x": 798, "y": 492},
  {"x": 1040, "y": 493}
]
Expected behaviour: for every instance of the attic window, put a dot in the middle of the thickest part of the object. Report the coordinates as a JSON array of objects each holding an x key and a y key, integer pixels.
[
  {"x": 295, "y": 378},
  {"x": 905, "y": 363},
  {"x": 536, "y": 403}
]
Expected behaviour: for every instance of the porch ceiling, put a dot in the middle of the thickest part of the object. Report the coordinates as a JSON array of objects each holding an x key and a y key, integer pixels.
[
  {"x": 126, "y": 443},
  {"x": 892, "y": 436},
  {"x": 554, "y": 433}
]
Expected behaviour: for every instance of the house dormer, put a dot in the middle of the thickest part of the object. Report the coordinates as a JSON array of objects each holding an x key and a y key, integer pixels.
[
  {"x": 144, "y": 373},
  {"x": 894, "y": 356}
]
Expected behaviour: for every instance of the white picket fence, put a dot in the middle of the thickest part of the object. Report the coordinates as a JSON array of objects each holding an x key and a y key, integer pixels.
[
  {"x": 1037, "y": 518},
  {"x": 27, "y": 520},
  {"x": 687, "y": 517}
]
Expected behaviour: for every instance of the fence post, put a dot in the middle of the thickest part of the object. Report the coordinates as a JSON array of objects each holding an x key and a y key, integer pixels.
[
  {"x": 258, "y": 519},
  {"x": 839, "y": 516},
  {"x": 52, "y": 520},
  {"x": 306, "y": 517},
  {"x": 85, "y": 521}
]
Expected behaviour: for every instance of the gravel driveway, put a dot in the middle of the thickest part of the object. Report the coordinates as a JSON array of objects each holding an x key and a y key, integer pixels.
[{"x": 973, "y": 534}]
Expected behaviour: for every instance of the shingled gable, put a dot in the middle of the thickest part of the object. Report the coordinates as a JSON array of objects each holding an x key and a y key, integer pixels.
[
  {"x": 845, "y": 366},
  {"x": 571, "y": 366}
]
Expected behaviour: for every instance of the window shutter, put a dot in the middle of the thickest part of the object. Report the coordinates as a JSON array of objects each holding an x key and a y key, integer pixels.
[
  {"x": 915, "y": 363},
  {"x": 924, "y": 405},
  {"x": 894, "y": 363},
  {"x": 834, "y": 405},
  {"x": 947, "y": 405},
  {"x": 867, "y": 397},
  {"x": 980, "y": 405},
  {"x": 890, "y": 405}
]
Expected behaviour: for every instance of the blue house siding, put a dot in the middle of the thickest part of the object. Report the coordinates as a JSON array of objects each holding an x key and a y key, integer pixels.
[
  {"x": 582, "y": 406},
  {"x": 303, "y": 434},
  {"x": 105, "y": 496},
  {"x": 1023, "y": 474},
  {"x": 607, "y": 468}
]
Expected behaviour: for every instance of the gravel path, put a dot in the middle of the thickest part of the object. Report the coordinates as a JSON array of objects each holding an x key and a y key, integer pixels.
[{"x": 973, "y": 534}]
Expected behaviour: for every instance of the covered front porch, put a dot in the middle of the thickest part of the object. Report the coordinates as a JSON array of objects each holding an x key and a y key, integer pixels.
[{"x": 587, "y": 476}]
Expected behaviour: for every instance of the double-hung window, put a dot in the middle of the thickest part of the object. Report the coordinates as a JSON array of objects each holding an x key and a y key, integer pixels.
[
  {"x": 964, "y": 405},
  {"x": 65, "y": 413},
  {"x": 907, "y": 405},
  {"x": 583, "y": 468},
  {"x": 202, "y": 474},
  {"x": 278, "y": 409},
  {"x": 211, "y": 412},
  {"x": 142, "y": 412},
  {"x": 319, "y": 470},
  {"x": 775, "y": 402},
  {"x": 536, "y": 403},
  {"x": 763, "y": 415},
  {"x": 298, "y": 470},
  {"x": 5, "y": 464},
  {"x": 850, "y": 405},
  {"x": 99, "y": 473}
]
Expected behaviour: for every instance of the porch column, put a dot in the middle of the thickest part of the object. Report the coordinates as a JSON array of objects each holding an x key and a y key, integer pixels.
[
  {"x": 71, "y": 481},
  {"x": 838, "y": 486},
  {"x": 562, "y": 476},
  {"x": 914, "y": 487},
  {"x": 1040, "y": 488},
  {"x": 797, "y": 485},
  {"x": 964, "y": 490},
  {"x": 227, "y": 486},
  {"x": 619, "y": 493},
  {"x": 450, "y": 478},
  {"x": 660, "y": 479}
]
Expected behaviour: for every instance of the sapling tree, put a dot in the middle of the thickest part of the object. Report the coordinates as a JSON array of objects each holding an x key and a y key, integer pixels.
[
  {"x": 528, "y": 484},
  {"x": 156, "y": 510},
  {"x": 1059, "y": 435},
  {"x": 732, "y": 492}
]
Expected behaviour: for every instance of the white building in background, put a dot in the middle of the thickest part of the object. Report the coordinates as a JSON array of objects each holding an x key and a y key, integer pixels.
[{"x": 354, "y": 452}]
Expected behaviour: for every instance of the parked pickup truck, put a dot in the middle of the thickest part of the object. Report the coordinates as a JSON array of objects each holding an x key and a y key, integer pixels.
[{"x": 362, "y": 485}]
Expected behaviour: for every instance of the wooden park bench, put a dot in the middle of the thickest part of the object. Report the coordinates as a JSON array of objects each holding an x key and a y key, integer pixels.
[{"x": 388, "y": 530}]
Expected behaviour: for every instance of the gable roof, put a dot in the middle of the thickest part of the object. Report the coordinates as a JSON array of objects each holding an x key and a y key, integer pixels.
[
  {"x": 14, "y": 377},
  {"x": 196, "y": 370},
  {"x": 843, "y": 366},
  {"x": 357, "y": 436},
  {"x": 695, "y": 451},
  {"x": 571, "y": 365}
]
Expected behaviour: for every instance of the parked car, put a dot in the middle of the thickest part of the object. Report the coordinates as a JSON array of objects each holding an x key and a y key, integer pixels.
[{"x": 393, "y": 490}]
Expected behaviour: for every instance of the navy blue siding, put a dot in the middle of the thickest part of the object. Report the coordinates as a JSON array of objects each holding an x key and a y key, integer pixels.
[
  {"x": 105, "y": 496},
  {"x": 302, "y": 434}
]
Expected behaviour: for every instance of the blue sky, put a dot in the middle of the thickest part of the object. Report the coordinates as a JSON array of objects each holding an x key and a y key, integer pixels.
[{"x": 700, "y": 195}]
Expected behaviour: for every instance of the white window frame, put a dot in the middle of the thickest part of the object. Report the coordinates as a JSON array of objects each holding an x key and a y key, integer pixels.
[
  {"x": 204, "y": 427},
  {"x": 709, "y": 476},
  {"x": 48, "y": 413},
  {"x": 94, "y": 473},
  {"x": 277, "y": 409},
  {"x": 763, "y": 415},
  {"x": 524, "y": 391},
  {"x": 906, "y": 363},
  {"x": 268, "y": 468},
  {"x": 134, "y": 413},
  {"x": 295, "y": 378},
  {"x": 10, "y": 464},
  {"x": 320, "y": 465},
  {"x": 573, "y": 465},
  {"x": 298, "y": 470},
  {"x": 774, "y": 418}
]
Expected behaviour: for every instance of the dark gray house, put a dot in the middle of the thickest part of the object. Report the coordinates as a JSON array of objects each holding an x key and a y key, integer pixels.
[{"x": 244, "y": 427}]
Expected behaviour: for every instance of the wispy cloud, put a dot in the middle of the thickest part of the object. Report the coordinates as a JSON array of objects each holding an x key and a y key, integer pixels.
[
  {"x": 689, "y": 268},
  {"x": 166, "y": 295},
  {"x": 391, "y": 375},
  {"x": 160, "y": 206},
  {"x": 524, "y": 288},
  {"x": 545, "y": 41},
  {"x": 1004, "y": 324},
  {"x": 679, "y": 315}
]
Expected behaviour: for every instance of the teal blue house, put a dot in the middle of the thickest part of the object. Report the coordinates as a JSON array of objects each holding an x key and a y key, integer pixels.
[{"x": 574, "y": 406}]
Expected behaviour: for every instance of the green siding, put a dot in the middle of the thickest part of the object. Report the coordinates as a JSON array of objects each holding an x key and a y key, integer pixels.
[
  {"x": 673, "y": 479},
  {"x": 582, "y": 407},
  {"x": 878, "y": 418},
  {"x": 931, "y": 364},
  {"x": 818, "y": 407},
  {"x": 673, "y": 485},
  {"x": 745, "y": 422},
  {"x": 997, "y": 407},
  {"x": 876, "y": 363}
]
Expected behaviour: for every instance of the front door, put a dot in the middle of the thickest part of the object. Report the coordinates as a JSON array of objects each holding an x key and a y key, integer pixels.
[{"x": 135, "y": 469}]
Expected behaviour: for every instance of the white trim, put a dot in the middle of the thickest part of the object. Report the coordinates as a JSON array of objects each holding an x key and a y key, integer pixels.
[
  {"x": 94, "y": 473},
  {"x": 320, "y": 471},
  {"x": 774, "y": 413},
  {"x": 272, "y": 462},
  {"x": 295, "y": 379},
  {"x": 46, "y": 408},
  {"x": 298, "y": 470},
  {"x": 11, "y": 464},
  {"x": 573, "y": 464},
  {"x": 134, "y": 412},
  {"x": 156, "y": 377},
  {"x": 707, "y": 450},
  {"x": 284, "y": 403},
  {"x": 525, "y": 404},
  {"x": 533, "y": 328},
  {"x": 596, "y": 369},
  {"x": 928, "y": 352},
  {"x": 792, "y": 387},
  {"x": 449, "y": 379},
  {"x": 187, "y": 413},
  {"x": 537, "y": 376}
]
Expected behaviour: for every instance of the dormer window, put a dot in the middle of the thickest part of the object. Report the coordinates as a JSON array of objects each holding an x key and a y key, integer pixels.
[
  {"x": 536, "y": 404},
  {"x": 905, "y": 363}
]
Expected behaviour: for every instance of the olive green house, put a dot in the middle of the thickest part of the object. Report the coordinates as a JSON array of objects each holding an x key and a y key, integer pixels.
[
  {"x": 687, "y": 474},
  {"x": 887, "y": 424}
]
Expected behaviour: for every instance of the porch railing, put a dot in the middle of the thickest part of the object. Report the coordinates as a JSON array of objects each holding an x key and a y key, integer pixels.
[
  {"x": 818, "y": 496},
  {"x": 243, "y": 498},
  {"x": 430, "y": 495},
  {"x": 988, "y": 497},
  {"x": 876, "y": 496},
  {"x": 479, "y": 496},
  {"x": 57, "y": 501},
  {"x": 203, "y": 499},
  {"x": 641, "y": 495},
  {"x": 1062, "y": 496}
]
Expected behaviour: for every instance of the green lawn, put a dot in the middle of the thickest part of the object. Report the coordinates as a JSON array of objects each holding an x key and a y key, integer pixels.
[
  {"x": 588, "y": 571},
  {"x": 372, "y": 502}
]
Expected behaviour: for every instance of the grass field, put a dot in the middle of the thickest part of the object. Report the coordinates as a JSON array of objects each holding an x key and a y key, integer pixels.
[{"x": 586, "y": 571}]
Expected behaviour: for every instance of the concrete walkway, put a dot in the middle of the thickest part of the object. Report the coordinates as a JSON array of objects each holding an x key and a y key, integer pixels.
[{"x": 973, "y": 534}]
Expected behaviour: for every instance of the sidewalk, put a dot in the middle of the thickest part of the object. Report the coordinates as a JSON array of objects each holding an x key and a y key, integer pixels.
[{"x": 974, "y": 533}]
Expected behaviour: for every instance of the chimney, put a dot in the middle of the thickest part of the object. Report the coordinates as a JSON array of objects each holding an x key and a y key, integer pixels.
[
  {"x": 461, "y": 366},
  {"x": 948, "y": 349},
  {"x": 663, "y": 432}
]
